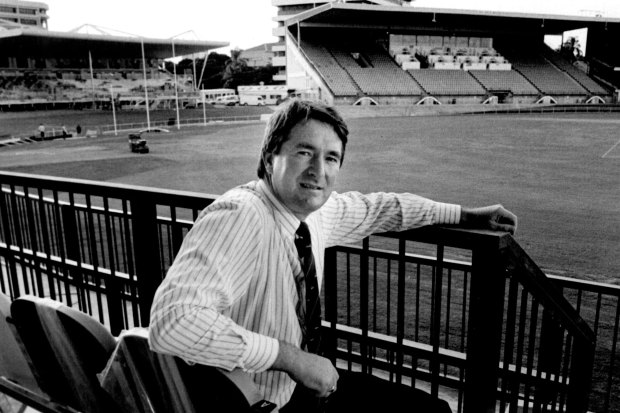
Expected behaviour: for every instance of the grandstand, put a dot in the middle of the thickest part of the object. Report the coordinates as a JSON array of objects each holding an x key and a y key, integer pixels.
[
  {"x": 42, "y": 69},
  {"x": 404, "y": 54}
]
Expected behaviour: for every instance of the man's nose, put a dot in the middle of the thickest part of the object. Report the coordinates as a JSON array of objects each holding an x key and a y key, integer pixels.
[{"x": 317, "y": 166}]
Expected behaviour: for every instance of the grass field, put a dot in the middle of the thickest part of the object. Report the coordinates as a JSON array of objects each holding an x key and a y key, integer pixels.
[{"x": 559, "y": 173}]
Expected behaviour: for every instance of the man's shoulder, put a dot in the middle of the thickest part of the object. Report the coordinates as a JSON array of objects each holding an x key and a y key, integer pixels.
[{"x": 243, "y": 199}]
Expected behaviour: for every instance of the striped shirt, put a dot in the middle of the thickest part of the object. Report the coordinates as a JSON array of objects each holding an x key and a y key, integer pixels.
[{"x": 230, "y": 294}]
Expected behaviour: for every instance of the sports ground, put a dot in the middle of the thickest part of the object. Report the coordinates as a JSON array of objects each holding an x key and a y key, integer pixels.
[{"x": 560, "y": 173}]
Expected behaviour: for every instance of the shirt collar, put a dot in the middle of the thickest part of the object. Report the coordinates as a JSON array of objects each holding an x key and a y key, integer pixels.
[{"x": 283, "y": 216}]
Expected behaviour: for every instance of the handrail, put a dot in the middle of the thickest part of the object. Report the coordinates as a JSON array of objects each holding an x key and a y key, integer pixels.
[{"x": 548, "y": 291}]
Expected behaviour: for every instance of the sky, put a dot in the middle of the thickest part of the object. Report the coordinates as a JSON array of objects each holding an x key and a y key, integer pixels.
[{"x": 248, "y": 23}]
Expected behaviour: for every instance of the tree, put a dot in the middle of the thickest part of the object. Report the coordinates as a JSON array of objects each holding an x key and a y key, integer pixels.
[
  {"x": 571, "y": 49},
  {"x": 225, "y": 71},
  {"x": 235, "y": 69}
]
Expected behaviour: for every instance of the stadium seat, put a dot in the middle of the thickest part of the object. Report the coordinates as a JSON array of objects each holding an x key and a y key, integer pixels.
[
  {"x": 79, "y": 364},
  {"x": 504, "y": 80},
  {"x": 144, "y": 381},
  {"x": 14, "y": 364},
  {"x": 67, "y": 349},
  {"x": 447, "y": 82}
]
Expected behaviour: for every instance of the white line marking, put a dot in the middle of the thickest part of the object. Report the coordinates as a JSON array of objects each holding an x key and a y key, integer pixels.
[
  {"x": 611, "y": 149},
  {"x": 560, "y": 119}
]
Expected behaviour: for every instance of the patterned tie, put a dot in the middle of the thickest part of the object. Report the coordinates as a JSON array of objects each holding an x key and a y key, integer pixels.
[{"x": 309, "y": 305}]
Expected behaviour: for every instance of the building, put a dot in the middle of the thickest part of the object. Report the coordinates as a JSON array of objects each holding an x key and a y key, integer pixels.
[
  {"x": 347, "y": 52},
  {"x": 16, "y": 13},
  {"x": 260, "y": 55},
  {"x": 288, "y": 8},
  {"x": 37, "y": 64}
]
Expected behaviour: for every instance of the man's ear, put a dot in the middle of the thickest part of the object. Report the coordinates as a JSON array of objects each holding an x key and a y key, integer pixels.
[{"x": 268, "y": 161}]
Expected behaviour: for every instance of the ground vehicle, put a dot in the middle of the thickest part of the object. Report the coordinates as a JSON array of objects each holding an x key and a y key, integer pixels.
[
  {"x": 137, "y": 144},
  {"x": 210, "y": 95},
  {"x": 251, "y": 100},
  {"x": 229, "y": 100}
]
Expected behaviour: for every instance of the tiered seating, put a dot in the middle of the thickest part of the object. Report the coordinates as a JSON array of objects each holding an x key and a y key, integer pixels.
[
  {"x": 584, "y": 80},
  {"x": 382, "y": 81},
  {"x": 551, "y": 81},
  {"x": 504, "y": 80},
  {"x": 447, "y": 82},
  {"x": 542, "y": 74},
  {"x": 336, "y": 77},
  {"x": 381, "y": 59},
  {"x": 382, "y": 76},
  {"x": 374, "y": 71},
  {"x": 343, "y": 57}
]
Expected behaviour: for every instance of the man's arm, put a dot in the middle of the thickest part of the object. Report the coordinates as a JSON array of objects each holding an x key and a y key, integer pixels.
[
  {"x": 493, "y": 217},
  {"x": 210, "y": 273},
  {"x": 307, "y": 369}
]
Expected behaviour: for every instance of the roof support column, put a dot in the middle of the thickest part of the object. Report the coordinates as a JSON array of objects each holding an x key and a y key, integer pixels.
[
  {"x": 176, "y": 87},
  {"x": 146, "y": 88},
  {"x": 92, "y": 78}
]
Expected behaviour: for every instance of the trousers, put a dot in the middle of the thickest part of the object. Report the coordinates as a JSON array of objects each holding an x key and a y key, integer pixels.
[{"x": 364, "y": 392}]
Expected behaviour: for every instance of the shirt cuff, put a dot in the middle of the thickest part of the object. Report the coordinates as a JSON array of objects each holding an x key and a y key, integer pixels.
[
  {"x": 448, "y": 214},
  {"x": 260, "y": 352}
]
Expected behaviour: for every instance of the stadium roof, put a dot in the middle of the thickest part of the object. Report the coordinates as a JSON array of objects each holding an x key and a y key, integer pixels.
[
  {"x": 23, "y": 41},
  {"x": 394, "y": 18}
]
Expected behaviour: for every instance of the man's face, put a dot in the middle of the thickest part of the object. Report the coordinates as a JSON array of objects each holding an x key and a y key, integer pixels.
[{"x": 304, "y": 172}]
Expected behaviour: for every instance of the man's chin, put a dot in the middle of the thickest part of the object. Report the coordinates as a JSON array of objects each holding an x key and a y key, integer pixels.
[{"x": 313, "y": 204}]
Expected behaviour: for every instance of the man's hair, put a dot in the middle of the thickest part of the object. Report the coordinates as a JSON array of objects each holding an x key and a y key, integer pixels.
[{"x": 292, "y": 113}]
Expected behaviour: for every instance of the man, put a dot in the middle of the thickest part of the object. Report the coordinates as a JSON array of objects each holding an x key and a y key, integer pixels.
[{"x": 230, "y": 299}]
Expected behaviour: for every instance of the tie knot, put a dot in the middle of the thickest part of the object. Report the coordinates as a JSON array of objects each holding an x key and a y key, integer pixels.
[{"x": 303, "y": 232}]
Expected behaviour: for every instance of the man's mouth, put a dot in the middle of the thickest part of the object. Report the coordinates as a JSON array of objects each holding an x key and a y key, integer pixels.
[{"x": 310, "y": 186}]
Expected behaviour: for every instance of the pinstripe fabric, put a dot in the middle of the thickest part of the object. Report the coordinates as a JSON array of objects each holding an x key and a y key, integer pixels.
[{"x": 230, "y": 294}]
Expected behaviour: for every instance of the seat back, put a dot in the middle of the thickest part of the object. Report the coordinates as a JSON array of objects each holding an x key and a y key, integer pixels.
[
  {"x": 148, "y": 382},
  {"x": 14, "y": 364},
  {"x": 67, "y": 348}
]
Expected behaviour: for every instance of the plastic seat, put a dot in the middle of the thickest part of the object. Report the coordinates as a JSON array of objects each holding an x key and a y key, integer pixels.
[
  {"x": 67, "y": 349},
  {"x": 14, "y": 364},
  {"x": 148, "y": 382}
]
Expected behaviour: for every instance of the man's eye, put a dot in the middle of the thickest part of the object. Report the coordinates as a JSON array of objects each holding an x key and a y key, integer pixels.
[{"x": 333, "y": 159}]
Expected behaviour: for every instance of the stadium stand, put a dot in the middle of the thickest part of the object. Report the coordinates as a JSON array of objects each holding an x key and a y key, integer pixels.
[
  {"x": 447, "y": 82},
  {"x": 542, "y": 74},
  {"x": 510, "y": 80},
  {"x": 378, "y": 81},
  {"x": 374, "y": 71},
  {"x": 551, "y": 81},
  {"x": 337, "y": 79},
  {"x": 578, "y": 75}
]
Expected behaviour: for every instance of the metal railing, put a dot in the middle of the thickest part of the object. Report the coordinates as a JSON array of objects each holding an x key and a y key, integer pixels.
[
  {"x": 171, "y": 123},
  {"x": 462, "y": 312}
]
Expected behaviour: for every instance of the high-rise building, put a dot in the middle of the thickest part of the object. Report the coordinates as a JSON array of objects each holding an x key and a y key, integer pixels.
[{"x": 16, "y": 13}]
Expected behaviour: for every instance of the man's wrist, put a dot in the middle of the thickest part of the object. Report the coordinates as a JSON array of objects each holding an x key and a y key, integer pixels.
[{"x": 260, "y": 353}]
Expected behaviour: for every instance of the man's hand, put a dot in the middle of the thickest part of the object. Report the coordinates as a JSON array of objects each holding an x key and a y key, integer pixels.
[
  {"x": 494, "y": 217},
  {"x": 314, "y": 372}
]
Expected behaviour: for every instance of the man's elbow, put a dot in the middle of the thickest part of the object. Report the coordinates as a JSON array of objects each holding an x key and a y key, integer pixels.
[{"x": 156, "y": 339}]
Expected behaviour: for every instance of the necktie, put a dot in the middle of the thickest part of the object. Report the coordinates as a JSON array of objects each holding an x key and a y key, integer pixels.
[{"x": 309, "y": 305}]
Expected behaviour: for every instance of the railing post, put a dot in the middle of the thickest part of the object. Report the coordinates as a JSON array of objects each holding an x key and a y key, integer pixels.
[
  {"x": 8, "y": 240},
  {"x": 364, "y": 351},
  {"x": 580, "y": 376},
  {"x": 72, "y": 251},
  {"x": 484, "y": 331},
  {"x": 330, "y": 301},
  {"x": 146, "y": 251}
]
